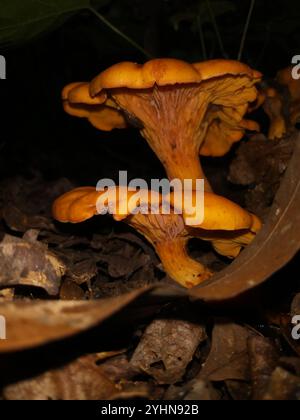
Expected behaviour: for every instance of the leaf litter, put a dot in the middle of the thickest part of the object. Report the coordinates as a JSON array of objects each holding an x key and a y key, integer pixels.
[{"x": 157, "y": 341}]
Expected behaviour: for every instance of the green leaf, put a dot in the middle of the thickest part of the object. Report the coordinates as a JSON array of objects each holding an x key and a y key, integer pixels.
[{"x": 20, "y": 21}]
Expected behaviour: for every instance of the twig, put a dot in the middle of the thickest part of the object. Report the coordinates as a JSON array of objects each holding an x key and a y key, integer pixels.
[
  {"x": 216, "y": 29},
  {"x": 201, "y": 34},
  {"x": 243, "y": 41},
  {"x": 120, "y": 33}
]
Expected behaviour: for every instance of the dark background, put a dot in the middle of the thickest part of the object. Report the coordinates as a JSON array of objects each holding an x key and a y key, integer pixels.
[{"x": 38, "y": 137}]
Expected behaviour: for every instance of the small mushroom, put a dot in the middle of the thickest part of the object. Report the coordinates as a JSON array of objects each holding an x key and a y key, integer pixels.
[
  {"x": 226, "y": 225},
  {"x": 274, "y": 108},
  {"x": 181, "y": 109},
  {"x": 285, "y": 78}
]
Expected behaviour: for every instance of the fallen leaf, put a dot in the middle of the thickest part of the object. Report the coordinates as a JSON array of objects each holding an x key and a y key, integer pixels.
[
  {"x": 295, "y": 308},
  {"x": 7, "y": 294},
  {"x": 19, "y": 221},
  {"x": 238, "y": 390},
  {"x": 166, "y": 348},
  {"x": 27, "y": 263},
  {"x": 263, "y": 361},
  {"x": 118, "y": 368},
  {"x": 83, "y": 271},
  {"x": 283, "y": 386},
  {"x": 274, "y": 247},
  {"x": 138, "y": 390},
  {"x": 291, "y": 364},
  {"x": 80, "y": 380},
  {"x": 71, "y": 291},
  {"x": 195, "y": 390},
  {"x": 261, "y": 163},
  {"x": 125, "y": 263},
  {"x": 34, "y": 323},
  {"x": 228, "y": 358}
]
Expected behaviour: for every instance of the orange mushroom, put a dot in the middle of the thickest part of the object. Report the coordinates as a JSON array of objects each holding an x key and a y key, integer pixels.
[
  {"x": 225, "y": 224},
  {"x": 274, "y": 108},
  {"x": 181, "y": 109},
  {"x": 285, "y": 78}
]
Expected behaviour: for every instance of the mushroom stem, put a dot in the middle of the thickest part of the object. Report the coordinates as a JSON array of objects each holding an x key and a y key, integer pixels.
[
  {"x": 188, "y": 168},
  {"x": 179, "y": 266}
]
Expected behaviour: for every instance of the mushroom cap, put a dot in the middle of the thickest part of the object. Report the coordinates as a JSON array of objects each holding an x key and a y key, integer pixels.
[
  {"x": 231, "y": 246},
  {"x": 78, "y": 93},
  {"x": 78, "y": 102},
  {"x": 160, "y": 72},
  {"x": 164, "y": 72},
  {"x": 221, "y": 67},
  {"x": 76, "y": 206},
  {"x": 81, "y": 204},
  {"x": 219, "y": 213},
  {"x": 221, "y": 136}
]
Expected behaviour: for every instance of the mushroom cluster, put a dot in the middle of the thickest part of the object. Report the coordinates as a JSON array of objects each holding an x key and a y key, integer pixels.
[
  {"x": 182, "y": 110},
  {"x": 226, "y": 225}
]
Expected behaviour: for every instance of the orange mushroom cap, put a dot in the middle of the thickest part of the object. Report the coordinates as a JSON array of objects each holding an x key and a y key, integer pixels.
[
  {"x": 160, "y": 72},
  {"x": 166, "y": 72},
  {"x": 78, "y": 102}
]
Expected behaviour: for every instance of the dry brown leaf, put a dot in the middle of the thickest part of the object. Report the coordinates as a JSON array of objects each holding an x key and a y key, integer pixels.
[
  {"x": 195, "y": 390},
  {"x": 18, "y": 221},
  {"x": 228, "y": 358},
  {"x": 71, "y": 291},
  {"x": 263, "y": 361},
  {"x": 125, "y": 263},
  {"x": 118, "y": 368},
  {"x": 295, "y": 308},
  {"x": 82, "y": 271},
  {"x": 261, "y": 163},
  {"x": 238, "y": 390},
  {"x": 27, "y": 263},
  {"x": 34, "y": 323},
  {"x": 80, "y": 380},
  {"x": 292, "y": 364},
  {"x": 283, "y": 386},
  {"x": 138, "y": 390},
  {"x": 274, "y": 247},
  {"x": 166, "y": 348}
]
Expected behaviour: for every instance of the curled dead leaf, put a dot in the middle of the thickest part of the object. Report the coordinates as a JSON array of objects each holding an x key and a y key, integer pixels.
[
  {"x": 274, "y": 247},
  {"x": 35, "y": 323},
  {"x": 23, "y": 262},
  {"x": 166, "y": 348}
]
